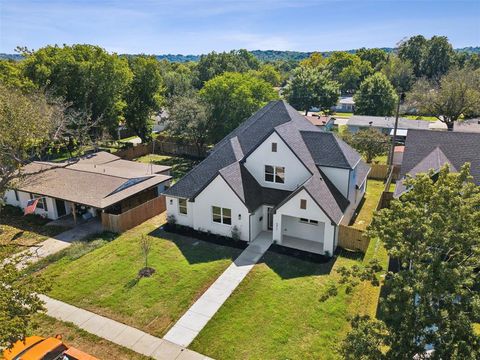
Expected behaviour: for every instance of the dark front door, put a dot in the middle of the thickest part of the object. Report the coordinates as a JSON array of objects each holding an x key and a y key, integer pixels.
[
  {"x": 270, "y": 218},
  {"x": 60, "y": 204}
]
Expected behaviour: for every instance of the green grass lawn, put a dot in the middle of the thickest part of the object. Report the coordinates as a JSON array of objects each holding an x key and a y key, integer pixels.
[
  {"x": 276, "y": 312},
  {"x": 180, "y": 165},
  {"x": 105, "y": 280},
  {"x": 18, "y": 232},
  {"x": 425, "y": 118},
  {"x": 369, "y": 204}
]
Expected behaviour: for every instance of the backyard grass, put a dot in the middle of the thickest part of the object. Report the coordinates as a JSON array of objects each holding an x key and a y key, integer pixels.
[
  {"x": 82, "y": 340},
  {"x": 369, "y": 204},
  {"x": 18, "y": 232},
  {"x": 276, "y": 312},
  {"x": 105, "y": 280},
  {"x": 425, "y": 118},
  {"x": 180, "y": 165}
]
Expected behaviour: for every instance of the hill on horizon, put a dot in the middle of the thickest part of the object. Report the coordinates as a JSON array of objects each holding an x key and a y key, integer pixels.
[{"x": 262, "y": 55}]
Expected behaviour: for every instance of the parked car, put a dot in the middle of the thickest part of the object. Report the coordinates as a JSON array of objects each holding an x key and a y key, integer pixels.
[{"x": 39, "y": 348}]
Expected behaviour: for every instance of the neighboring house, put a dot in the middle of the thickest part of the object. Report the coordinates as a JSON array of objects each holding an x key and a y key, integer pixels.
[
  {"x": 345, "y": 104},
  {"x": 385, "y": 124},
  {"x": 425, "y": 150},
  {"x": 275, "y": 173},
  {"x": 321, "y": 121},
  {"x": 92, "y": 184}
]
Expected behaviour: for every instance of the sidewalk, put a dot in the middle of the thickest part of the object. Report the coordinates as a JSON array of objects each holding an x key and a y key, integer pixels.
[
  {"x": 193, "y": 321},
  {"x": 119, "y": 333},
  {"x": 58, "y": 242}
]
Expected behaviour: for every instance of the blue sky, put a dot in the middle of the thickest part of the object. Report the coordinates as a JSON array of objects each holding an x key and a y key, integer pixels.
[{"x": 200, "y": 26}]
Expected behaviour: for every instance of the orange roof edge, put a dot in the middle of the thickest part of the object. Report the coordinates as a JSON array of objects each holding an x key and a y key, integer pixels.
[
  {"x": 39, "y": 351},
  {"x": 79, "y": 355},
  {"x": 20, "y": 346}
]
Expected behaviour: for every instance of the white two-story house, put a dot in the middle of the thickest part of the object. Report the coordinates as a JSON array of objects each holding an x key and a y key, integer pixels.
[{"x": 276, "y": 174}]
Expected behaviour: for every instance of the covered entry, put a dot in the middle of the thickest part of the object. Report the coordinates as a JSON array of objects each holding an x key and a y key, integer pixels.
[{"x": 302, "y": 234}]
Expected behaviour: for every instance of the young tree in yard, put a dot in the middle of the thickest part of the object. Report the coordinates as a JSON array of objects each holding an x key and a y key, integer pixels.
[
  {"x": 456, "y": 94},
  {"x": 18, "y": 303},
  {"x": 144, "y": 95},
  {"x": 145, "y": 246},
  {"x": 368, "y": 142},
  {"x": 28, "y": 124},
  {"x": 434, "y": 298},
  {"x": 189, "y": 120},
  {"x": 311, "y": 87},
  {"x": 232, "y": 98},
  {"x": 376, "y": 96}
]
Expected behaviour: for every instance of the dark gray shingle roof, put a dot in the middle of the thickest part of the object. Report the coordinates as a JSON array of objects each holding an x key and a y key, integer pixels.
[
  {"x": 386, "y": 122},
  {"x": 280, "y": 117},
  {"x": 426, "y": 150}
]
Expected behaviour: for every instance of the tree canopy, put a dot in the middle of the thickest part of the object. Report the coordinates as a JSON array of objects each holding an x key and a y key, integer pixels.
[
  {"x": 368, "y": 142},
  {"x": 311, "y": 87},
  {"x": 86, "y": 76},
  {"x": 456, "y": 94},
  {"x": 432, "y": 301},
  {"x": 144, "y": 95},
  {"x": 233, "y": 97},
  {"x": 376, "y": 96}
]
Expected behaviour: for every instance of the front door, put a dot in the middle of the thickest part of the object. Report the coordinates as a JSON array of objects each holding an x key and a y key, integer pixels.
[
  {"x": 270, "y": 218},
  {"x": 60, "y": 204}
]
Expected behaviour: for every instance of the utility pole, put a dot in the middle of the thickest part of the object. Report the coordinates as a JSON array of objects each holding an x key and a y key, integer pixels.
[{"x": 394, "y": 138}]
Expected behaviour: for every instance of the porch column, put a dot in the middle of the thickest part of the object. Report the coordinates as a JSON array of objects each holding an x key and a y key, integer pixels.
[{"x": 277, "y": 228}]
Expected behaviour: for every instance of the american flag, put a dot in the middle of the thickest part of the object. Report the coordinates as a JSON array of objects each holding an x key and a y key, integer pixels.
[{"x": 31, "y": 206}]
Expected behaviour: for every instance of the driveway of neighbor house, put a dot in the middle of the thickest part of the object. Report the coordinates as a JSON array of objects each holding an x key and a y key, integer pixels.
[
  {"x": 58, "y": 242},
  {"x": 200, "y": 313},
  {"x": 118, "y": 333}
]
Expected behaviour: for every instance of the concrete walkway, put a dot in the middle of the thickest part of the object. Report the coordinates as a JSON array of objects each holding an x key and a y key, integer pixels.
[
  {"x": 58, "y": 242},
  {"x": 119, "y": 333},
  {"x": 193, "y": 321}
]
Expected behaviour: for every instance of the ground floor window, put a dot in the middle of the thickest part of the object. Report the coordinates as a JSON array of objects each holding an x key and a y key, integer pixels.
[
  {"x": 42, "y": 203},
  {"x": 308, "y": 221},
  {"x": 182, "y": 206},
  {"x": 221, "y": 215}
]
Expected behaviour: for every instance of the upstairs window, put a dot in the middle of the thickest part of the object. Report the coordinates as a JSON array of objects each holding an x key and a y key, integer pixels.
[
  {"x": 182, "y": 206},
  {"x": 274, "y": 147},
  {"x": 221, "y": 215},
  {"x": 275, "y": 174},
  {"x": 303, "y": 204}
]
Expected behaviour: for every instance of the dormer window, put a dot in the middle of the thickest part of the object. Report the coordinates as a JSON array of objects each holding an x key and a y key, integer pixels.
[
  {"x": 274, "y": 147},
  {"x": 275, "y": 174}
]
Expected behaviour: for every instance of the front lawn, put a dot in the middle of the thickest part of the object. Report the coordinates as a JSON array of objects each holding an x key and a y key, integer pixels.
[
  {"x": 105, "y": 280},
  {"x": 180, "y": 165},
  {"x": 18, "y": 232},
  {"x": 82, "y": 340},
  {"x": 276, "y": 312},
  {"x": 369, "y": 204}
]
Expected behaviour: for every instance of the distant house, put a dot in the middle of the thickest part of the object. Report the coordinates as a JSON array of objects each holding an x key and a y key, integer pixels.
[
  {"x": 276, "y": 175},
  {"x": 385, "y": 124},
  {"x": 100, "y": 182},
  {"x": 425, "y": 150},
  {"x": 321, "y": 121},
  {"x": 345, "y": 104}
]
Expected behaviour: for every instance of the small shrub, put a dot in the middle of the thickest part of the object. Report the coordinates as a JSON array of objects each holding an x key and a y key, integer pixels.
[{"x": 171, "y": 220}]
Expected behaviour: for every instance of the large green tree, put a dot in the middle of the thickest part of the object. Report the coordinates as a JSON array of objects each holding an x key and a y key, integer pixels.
[
  {"x": 28, "y": 124},
  {"x": 189, "y": 120},
  {"x": 456, "y": 94},
  {"x": 144, "y": 95},
  {"x": 434, "y": 298},
  {"x": 214, "y": 64},
  {"x": 399, "y": 72},
  {"x": 376, "y": 57},
  {"x": 11, "y": 74},
  {"x": 414, "y": 50},
  {"x": 368, "y": 142},
  {"x": 376, "y": 96},
  {"x": 86, "y": 76},
  {"x": 311, "y": 87},
  {"x": 349, "y": 70},
  {"x": 233, "y": 97}
]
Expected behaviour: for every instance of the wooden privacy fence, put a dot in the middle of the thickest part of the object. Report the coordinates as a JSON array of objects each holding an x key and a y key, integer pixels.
[
  {"x": 378, "y": 171},
  {"x": 163, "y": 145},
  {"x": 351, "y": 238},
  {"x": 133, "y": 217}
]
